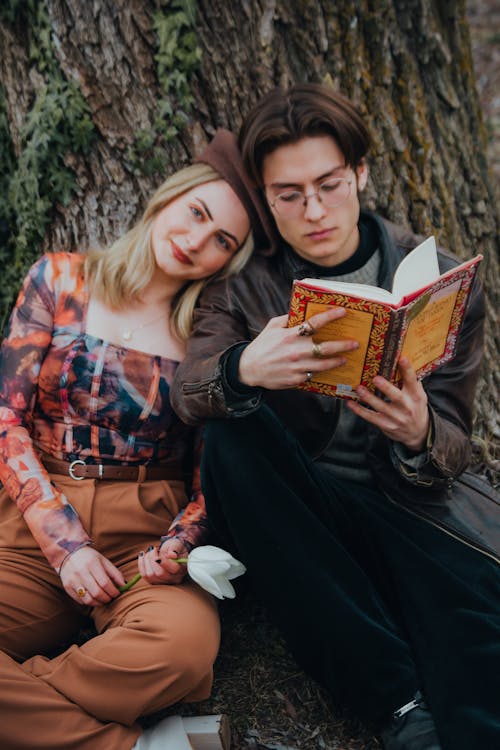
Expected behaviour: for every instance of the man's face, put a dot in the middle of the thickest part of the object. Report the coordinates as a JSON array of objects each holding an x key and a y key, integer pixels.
[{"x": 323, "y": 234}]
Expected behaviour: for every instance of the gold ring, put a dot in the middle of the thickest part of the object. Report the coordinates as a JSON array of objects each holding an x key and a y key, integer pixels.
[
  {"x": 81, "y": 591},
  {"x": 316, "y": 350},
  {"x": 308, "y": 377},
  {"x": 306, "y": 329}
]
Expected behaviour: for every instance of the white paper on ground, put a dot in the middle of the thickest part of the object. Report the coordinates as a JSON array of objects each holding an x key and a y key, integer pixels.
[
  {"x": 208, "y": 732},
  {"x": 170, "y": 734}
]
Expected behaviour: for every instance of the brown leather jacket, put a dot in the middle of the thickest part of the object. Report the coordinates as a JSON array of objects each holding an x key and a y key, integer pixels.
[{"x": 236, "y": 310}]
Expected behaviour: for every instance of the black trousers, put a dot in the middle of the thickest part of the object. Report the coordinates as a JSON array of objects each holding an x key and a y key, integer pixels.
[{"x": 372, "y": 601}]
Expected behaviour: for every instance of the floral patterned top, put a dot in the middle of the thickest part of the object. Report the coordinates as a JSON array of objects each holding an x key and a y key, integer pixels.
[{"x": 74, "y": 396}]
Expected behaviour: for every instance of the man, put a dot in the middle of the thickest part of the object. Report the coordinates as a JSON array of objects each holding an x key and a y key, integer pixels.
[{"x": 342, "y": 510}]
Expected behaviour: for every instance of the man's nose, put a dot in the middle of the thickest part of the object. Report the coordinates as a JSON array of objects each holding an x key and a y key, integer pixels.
[{"x": 314, "y": 208}]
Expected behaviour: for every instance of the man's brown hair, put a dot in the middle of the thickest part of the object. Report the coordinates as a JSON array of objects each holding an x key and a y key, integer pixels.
[{"x": 303, "y": 110}]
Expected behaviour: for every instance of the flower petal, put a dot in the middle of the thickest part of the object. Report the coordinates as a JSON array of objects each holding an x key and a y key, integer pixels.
[
  {"x": 237, "y": 569},
  {"x": 225, "y": 587},
  {"x": 206, "y": 581},
  {"x": 212, "y": 567},
  {"x": 209, "y": 552}
]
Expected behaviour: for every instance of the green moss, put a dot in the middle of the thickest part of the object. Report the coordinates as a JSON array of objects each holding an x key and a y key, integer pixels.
[
  {"x": 13, "y": 11},
  {"x": 177, "y": 58},
  {"x": 58, "y": 123}
]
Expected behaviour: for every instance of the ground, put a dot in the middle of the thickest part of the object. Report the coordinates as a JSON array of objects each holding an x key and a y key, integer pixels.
[{"x": 271, "y": 703}]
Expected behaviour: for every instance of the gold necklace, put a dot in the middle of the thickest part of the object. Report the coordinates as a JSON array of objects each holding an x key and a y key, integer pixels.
[{"x": 128, "y": 333}]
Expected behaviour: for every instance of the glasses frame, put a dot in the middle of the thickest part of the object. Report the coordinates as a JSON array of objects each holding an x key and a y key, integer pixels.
[{"x": 315, "y": 194}]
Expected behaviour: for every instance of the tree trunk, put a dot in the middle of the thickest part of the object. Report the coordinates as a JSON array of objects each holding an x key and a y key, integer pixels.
[{"x": 98, "y": 101}]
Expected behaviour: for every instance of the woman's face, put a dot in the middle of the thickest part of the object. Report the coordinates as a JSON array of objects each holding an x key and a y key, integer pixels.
[{"x": 196, "y": 234}]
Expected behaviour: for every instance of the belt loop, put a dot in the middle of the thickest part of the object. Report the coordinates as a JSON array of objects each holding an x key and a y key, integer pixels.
[
  {"x": 101, "y": 471},
  {"x": 141, "y": 474}
]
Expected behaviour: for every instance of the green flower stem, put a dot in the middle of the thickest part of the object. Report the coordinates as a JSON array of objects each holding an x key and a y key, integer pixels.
[
  {"x": 137, "y": 577},
  {"x": 129, "y": 584}
]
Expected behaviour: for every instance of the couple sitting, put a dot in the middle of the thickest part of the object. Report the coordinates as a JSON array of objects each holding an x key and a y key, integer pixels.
[{"x": 110, "y": 365}]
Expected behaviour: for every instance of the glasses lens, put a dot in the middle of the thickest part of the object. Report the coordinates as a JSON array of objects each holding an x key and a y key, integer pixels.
[
  {"x": 290, "y": 203},
  {"x": 334, "y": 192}
]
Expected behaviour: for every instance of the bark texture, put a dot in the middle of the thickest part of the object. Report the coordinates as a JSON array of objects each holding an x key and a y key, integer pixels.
[{"x": 407, "y": 64}]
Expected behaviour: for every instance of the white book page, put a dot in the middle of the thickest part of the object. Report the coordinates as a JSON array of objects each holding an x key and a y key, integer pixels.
[
  {"x": 364, "y": 291},
  {"x": 417, "y": 269}
]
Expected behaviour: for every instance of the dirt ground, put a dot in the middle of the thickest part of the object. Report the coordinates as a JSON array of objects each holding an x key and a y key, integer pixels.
[{"x": 271, "y": 703}]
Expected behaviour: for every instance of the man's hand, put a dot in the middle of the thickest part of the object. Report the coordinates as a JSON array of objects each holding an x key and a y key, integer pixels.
[
  {"x": 281, "y": 358},
  {"x": 158, "y": 566},
  {"x": 404, "y": 415},
  {"x": 93, "y": 575}
]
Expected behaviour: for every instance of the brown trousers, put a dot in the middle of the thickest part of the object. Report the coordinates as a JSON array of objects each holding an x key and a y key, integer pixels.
[{"x": 156, "y": 645}]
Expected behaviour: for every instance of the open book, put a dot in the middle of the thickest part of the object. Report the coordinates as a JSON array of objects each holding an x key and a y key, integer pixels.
[{"x": 420, "y": 319}]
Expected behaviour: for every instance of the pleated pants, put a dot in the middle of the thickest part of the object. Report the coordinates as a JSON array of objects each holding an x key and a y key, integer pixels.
[{"x": 155, "y": 645}]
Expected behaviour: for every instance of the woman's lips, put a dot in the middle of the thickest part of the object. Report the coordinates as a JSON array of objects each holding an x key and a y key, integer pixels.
[{"x": 179, "y": 255}]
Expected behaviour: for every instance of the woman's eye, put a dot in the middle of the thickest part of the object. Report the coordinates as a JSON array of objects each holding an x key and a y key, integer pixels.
[
  {"x": 196, "y": 212},
  {"x": 222, "y": 241}
]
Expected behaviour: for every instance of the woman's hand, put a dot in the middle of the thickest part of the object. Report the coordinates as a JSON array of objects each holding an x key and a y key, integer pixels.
[
  {"x": 282, "y": 358},
  {"x": 158, "y": 566},
  {"x": 90, "y": 578},
  {"x": 404, "y": 416}
]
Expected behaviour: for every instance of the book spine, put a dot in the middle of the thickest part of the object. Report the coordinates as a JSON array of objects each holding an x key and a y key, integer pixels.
[{"x": 393, "y": 344}]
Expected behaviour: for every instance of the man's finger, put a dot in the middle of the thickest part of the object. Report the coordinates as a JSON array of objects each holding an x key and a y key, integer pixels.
[
  {"x": 321, "y": 319},
  {"x": 279, "y": 322}
]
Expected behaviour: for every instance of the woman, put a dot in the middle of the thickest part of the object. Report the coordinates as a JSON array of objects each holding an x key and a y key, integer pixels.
[{"x": 95, "y": 461}]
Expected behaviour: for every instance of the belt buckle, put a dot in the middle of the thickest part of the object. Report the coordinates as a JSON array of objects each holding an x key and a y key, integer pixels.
[{"x": 72, "y": 465}]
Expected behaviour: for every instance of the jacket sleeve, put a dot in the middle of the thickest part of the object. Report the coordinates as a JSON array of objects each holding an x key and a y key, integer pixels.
[
  {"x": 450, "y": 391},
  {"x": 200, "y": 389},
  {"x": 49, "y": 516}
]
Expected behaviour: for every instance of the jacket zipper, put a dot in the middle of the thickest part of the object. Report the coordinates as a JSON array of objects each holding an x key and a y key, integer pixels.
[
  {"x": 439, "y": 526},
  {"x": 195, "y": 387}
]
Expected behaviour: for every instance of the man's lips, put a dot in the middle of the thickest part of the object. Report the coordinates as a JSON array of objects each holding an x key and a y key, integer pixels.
[
  {"x": 320, "y": 234},
  {"x": 179, "y": 255}
]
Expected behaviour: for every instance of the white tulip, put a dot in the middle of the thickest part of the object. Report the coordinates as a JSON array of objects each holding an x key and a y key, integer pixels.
[{"x": 212, "y": 568}]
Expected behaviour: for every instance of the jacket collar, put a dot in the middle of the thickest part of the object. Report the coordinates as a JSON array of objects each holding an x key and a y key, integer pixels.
[{"x": 292, "y": 266}]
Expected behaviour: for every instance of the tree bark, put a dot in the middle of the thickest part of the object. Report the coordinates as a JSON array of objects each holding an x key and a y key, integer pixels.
[{"x": 407, "y": 65}]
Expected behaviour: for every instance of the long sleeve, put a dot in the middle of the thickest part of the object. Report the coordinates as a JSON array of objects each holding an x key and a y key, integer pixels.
[
  {"x": 51, "y": 519},
  {"x": 450, "y": 390},
  {"x": 190, "y": 525},
  {"x": 201, "y": 390}
]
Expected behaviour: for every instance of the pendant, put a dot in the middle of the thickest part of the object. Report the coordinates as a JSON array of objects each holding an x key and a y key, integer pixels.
[{"x": 126, "y": 334}]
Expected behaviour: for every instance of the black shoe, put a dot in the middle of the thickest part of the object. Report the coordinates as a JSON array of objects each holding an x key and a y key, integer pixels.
[{"x": 411, "y": 728}]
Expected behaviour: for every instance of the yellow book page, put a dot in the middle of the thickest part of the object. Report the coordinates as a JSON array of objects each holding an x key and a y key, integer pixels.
[
  {"x": 356, "y": 325},
  {"x": 426, "y": 334}
]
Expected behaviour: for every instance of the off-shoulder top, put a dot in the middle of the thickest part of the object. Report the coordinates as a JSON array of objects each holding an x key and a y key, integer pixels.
[{"x": 73, "y": 396}]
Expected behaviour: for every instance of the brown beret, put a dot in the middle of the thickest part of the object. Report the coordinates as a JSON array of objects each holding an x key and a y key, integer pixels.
[{"x": 223, "y": 155}]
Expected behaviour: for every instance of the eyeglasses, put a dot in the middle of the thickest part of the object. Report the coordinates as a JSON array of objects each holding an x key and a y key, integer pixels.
[{"x": 331, "y": 193}]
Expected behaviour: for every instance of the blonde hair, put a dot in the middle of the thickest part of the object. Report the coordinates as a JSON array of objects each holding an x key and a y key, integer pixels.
[{"x": 119, "y": 273}]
